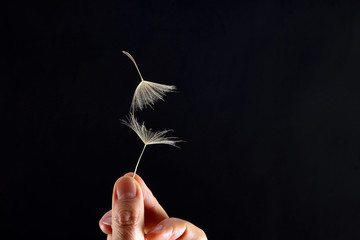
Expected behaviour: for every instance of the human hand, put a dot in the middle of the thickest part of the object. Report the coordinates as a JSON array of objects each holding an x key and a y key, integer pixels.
[{"x": 137, "y": 215}]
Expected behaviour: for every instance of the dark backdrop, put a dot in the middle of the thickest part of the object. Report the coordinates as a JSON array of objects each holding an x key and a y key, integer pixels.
[{"x": 268, "y": 105}]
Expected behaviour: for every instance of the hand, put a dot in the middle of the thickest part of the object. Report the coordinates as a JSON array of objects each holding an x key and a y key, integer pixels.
[{"x": 136, "y": 215}]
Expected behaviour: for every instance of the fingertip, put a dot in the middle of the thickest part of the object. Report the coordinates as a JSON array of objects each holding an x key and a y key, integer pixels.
[
  {"x": 105, "y": 223},
  {"x": 129, "y": 174},
  {"x": 175, "y": 228},
  {"x": 160, "y": 232},
  {"x": 136, "y": 177},
  {"x": 126, "y": 188},
  {"x": 149, "y": 198},
  {"x": 105, "y": 228}
]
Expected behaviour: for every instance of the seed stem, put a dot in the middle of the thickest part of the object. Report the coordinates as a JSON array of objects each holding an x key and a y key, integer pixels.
[
  {"x": 133, "y": 60},
  {"x": 137, "y": 164}
]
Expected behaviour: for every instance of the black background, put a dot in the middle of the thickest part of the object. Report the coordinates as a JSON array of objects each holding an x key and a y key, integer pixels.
[{"x": 268, "y": 103}]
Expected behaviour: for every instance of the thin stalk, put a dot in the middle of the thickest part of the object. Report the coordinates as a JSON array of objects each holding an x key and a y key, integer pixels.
[
  {"x": 137, "y": 164},
  {"x": 133, "y": 60}
]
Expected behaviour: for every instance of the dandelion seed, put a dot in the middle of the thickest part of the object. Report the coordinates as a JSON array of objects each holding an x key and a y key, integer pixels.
[
  {"x": 148, "y": 137},
  {"x": 147, "y": 93}
]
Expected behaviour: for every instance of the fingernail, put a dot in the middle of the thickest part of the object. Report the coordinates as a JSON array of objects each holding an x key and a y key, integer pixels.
[
  {"x": 126, "y": 188},
  {"x": 157, "y": 228},
  {"x": 107, "y": 220}
]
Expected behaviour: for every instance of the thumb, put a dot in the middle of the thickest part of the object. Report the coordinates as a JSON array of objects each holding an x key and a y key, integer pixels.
[{"x": 127, "y": 210}]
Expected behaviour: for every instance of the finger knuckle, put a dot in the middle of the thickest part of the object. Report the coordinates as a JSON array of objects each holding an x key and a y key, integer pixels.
[{"x": 127, "y": 218}]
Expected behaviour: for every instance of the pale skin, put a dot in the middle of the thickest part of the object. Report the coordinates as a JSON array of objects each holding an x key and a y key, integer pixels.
[{"x": 137, "y": 215}]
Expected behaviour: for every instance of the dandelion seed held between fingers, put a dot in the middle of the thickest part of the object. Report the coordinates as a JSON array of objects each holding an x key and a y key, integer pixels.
[{"x": 146, "y": 94}]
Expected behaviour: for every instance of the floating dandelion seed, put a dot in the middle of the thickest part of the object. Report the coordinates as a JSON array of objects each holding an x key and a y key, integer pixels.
[
  {"x": 147, "y": 136},
  {"x": 147, "y": 93}
]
